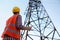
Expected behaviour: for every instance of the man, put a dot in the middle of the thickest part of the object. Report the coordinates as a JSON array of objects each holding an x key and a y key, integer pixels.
[{"x": 13, "y": 26}]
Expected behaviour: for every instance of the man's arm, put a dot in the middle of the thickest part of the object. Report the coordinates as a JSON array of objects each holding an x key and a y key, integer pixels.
[{"x": 19, "y": 24}]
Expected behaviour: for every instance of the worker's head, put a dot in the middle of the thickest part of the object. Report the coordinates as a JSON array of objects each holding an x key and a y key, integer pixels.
[{"x": 16, "y": 10}]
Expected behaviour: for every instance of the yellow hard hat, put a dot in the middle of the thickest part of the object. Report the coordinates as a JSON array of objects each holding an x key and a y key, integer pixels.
[{"x": 16, "y": 9}]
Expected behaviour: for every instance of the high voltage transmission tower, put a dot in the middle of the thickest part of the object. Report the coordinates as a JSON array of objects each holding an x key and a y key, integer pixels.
[{"x": 42, "y": 26}]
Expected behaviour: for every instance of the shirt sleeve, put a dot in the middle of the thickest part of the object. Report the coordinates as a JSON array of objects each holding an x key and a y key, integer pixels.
[{"x": 19, "y": 22}]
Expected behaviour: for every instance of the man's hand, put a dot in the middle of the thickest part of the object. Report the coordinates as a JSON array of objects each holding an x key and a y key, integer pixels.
[{"x": 26, "y": 28}]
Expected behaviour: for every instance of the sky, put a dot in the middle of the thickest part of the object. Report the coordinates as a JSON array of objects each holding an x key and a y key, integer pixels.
[{"x": 52, "y": 7}]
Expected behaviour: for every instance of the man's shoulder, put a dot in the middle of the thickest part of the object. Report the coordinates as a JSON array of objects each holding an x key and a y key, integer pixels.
[{"x": 19, "y": 16}]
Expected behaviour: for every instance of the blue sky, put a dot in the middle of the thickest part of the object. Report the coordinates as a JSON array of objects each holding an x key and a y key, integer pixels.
[{"x": 51, "y": 6}]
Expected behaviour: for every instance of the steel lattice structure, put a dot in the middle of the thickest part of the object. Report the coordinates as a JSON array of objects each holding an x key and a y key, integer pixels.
[{"x": 42, "y": 25}]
